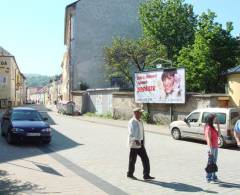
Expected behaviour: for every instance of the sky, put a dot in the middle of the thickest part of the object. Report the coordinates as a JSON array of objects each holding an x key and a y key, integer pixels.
[{"x": 33, "y": 30}]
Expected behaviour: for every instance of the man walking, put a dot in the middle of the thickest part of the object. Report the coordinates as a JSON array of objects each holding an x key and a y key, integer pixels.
[{"x": 136, "y": 144}]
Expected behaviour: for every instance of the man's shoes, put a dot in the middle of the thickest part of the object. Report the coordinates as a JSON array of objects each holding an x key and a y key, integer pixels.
[
  {"x": 148, "y": 177},
  {"x": 131, "y": 177}
]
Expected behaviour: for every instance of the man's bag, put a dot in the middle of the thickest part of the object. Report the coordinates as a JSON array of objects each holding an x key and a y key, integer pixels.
[{"x": 211, "y": 166}]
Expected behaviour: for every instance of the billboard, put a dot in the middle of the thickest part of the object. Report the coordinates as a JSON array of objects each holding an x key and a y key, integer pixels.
[{"x": 161, "y": 86}]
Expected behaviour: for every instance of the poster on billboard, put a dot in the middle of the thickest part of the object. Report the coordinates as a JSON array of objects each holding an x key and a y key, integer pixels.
[{"x": 161, "y": 86}]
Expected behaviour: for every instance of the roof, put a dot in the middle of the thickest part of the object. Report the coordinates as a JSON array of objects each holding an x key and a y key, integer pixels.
[
  {"x": 4, "y": 52},
  {"x": 23, "y": 108},
  {"x": 234, "y": 70},
  {"x": 214, "y": 109}
]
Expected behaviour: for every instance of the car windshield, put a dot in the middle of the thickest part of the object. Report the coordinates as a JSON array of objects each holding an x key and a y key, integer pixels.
[{"x": 26, "y": 115}]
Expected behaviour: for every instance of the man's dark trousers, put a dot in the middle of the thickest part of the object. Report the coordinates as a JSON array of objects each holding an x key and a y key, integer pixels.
[{"x": 132, "y": 160}]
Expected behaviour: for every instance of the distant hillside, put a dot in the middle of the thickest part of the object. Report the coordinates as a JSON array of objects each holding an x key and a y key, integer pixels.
[{"x": 36, "y": 80}]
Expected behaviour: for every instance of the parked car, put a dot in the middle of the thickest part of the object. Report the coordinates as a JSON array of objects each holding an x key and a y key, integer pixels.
[
  {"x": 193, "y": 125},
  {"x": 25, "y": 123}
]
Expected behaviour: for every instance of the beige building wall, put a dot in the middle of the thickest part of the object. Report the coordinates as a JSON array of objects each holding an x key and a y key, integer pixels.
[
  {"x": 65, "y": 78},
  {"x": 12, "y": 81},
  {"x": 234, "y": 89},
  {"x": 5, "y": 78}
]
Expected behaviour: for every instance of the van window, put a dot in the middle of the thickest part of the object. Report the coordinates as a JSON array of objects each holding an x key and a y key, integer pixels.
[
  {"x": 193, "y": 117},
  {"x": 220, "y": 116},
  {"x": 234, "y": 116}
]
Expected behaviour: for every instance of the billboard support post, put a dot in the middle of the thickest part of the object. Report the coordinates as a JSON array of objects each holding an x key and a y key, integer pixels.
[{"x": 170, "y": 109}]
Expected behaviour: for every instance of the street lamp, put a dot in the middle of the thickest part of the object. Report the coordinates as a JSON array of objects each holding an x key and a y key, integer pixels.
[
  {"x": 161, "y": 59},
  {"x": 160, "y": 66}
]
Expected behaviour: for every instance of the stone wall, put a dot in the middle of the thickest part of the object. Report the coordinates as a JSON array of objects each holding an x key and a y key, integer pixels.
[
  {"x": 80, "y": 98},
  {"x": 123, "y": 102}
]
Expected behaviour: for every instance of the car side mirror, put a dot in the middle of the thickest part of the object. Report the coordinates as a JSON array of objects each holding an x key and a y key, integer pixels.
[
  {"x": 185, "y": 120},
  {"x": 45, "y": 118}
]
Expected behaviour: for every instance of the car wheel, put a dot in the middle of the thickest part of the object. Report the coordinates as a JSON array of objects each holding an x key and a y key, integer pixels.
[
  {"x": 176, "y": 134},
  {"x": 47, "y": 141},
  {"x": 9, "y": 138},
  {"x": 2, "y": 133},
  {"x": 221, "y": 142}
]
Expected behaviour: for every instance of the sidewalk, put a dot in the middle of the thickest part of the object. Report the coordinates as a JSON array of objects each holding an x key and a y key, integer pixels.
[{"x": 160, "y": 129}]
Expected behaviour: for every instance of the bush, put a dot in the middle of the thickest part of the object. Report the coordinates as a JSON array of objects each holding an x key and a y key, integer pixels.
[{"x": 146, "y": 117}]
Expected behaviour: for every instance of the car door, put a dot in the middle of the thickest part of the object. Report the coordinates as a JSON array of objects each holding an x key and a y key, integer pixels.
[{"x": 193, "y": 125}]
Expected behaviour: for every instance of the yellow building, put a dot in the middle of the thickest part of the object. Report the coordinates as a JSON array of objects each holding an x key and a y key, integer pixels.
[
  {"x": 233, "y": 85},
  {"x": 12, "y": 81}
]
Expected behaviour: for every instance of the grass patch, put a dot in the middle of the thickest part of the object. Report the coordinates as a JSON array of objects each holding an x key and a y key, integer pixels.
[{"x": 107, "y": 115}]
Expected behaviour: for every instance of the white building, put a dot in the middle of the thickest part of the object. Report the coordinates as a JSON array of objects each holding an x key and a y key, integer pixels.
[{"x": 89, "y": 27}]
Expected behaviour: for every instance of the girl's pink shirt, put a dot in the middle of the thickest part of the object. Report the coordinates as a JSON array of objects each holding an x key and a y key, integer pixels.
[{"x": 214, "y": 135}]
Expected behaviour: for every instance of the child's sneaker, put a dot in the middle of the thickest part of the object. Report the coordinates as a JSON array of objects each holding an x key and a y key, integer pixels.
[
  {"x": 209, "y": 180},
  {"x": 215, "y": 179}
]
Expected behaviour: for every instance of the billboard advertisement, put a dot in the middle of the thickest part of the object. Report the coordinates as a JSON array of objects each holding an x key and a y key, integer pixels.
[{"x": 161, "y": 86}]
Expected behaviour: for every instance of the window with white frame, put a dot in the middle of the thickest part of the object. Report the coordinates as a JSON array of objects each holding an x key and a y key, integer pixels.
[{"x": 3, "y": 80}]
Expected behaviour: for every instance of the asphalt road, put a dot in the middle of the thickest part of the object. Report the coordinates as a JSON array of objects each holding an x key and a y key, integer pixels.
[{"x": 92, "y": 158}]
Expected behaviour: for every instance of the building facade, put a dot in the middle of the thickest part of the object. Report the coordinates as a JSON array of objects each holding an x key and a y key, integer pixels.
[
  {"x": 233, "y": 85},
  {"x": 12, "y": 81},
  {"x": 89, "y": 27}
]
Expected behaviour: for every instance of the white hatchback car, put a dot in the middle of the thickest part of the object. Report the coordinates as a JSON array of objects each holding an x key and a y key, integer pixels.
[{"x": 193, "y": 125}]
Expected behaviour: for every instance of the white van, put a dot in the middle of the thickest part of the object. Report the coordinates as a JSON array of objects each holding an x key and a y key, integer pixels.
[{"x": 193, "y": 124}]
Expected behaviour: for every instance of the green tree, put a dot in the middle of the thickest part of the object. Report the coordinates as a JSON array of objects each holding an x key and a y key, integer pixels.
[
  {"x": 169, "y": 22},
  {"x": 213, "y": 52},
  {"x": 125, "y": 56}
]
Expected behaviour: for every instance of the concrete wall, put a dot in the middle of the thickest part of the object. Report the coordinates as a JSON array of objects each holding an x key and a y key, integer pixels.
[
  {"x": 234, "y": 89},
  {"x": 81, "y": 99},
  {"x": 100, "y": 100},
  {"x": 95, "y": 23},
  {"x": 123, "y": 102}
]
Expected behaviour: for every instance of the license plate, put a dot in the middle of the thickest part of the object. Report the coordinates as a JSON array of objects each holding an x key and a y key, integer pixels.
[{"x": 33, "y": 134}]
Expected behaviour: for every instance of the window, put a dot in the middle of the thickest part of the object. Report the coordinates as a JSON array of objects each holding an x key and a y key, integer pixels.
[
  {"x": 234, "y": 116},
  {"x": 117, "y": 82},
  {"x": 220, "y": 116},
  {"x": 193, "y": 117},
  {"x": 3, "y": 80}
]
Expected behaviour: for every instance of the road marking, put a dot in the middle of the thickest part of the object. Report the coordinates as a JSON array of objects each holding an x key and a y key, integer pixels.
[{"x": 90, "y": 177}]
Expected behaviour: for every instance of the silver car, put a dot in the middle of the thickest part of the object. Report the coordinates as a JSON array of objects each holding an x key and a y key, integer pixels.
[{"x": 193, "y": 125}]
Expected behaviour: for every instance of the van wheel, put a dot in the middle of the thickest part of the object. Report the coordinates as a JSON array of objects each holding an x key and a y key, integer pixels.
[
  {"x": 221, "y": 142},
  {"x": 176, "y": 134}
]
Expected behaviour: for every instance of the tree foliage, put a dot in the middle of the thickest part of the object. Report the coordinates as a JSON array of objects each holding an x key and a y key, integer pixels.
[
  {"x": 125, "y": 56},
  {"x": 169, "y": 22},
  {"x": 213, "y": 52},
  {"x": 173, "y": 32},
  {"x": 36, "y": 80}
]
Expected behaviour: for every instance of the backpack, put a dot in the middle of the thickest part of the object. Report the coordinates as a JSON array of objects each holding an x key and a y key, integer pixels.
[{"x": 237, "y": 126}]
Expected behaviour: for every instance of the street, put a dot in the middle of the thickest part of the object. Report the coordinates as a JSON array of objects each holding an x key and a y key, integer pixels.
[{"x": 87, "y": 157}]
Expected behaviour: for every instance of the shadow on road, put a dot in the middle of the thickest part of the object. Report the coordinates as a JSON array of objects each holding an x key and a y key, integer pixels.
[
  {"x": 29, "y": 149},
  {"x": 180, "y": 187},
  {"x": 9, "y": 186},
  {"x": 228, "y": 185}
]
